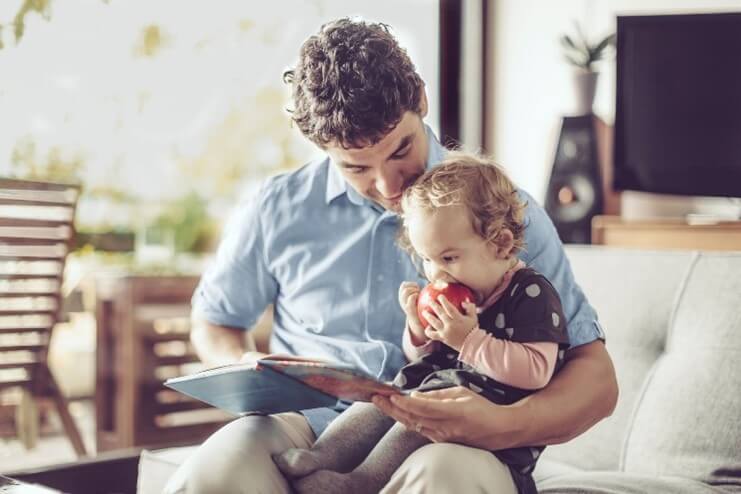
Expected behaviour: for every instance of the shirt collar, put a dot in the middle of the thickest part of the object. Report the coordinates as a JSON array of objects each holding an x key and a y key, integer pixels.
[{"x": 336, "y": 184}]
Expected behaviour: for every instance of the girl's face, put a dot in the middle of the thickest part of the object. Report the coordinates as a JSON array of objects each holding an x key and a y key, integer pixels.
[{"x": 452, "y": 251}]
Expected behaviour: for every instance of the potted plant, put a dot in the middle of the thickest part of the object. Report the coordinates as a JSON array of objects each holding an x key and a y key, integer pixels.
[{"x": 583, "y": 55}]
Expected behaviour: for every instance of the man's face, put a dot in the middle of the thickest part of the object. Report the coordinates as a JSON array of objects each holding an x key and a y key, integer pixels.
[{"x": 383, "y": 171}]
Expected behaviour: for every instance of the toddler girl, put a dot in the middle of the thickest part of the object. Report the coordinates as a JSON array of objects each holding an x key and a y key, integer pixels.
[{"x": 464, "y": 221}]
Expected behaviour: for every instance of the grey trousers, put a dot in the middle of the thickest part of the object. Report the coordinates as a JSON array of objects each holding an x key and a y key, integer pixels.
[{"x": 238, "y": 459}]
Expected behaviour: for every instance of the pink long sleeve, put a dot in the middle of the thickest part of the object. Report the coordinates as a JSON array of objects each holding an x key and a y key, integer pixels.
[
  {"x": 414, "y": 352},
  {"x": 523, "y": 365}
]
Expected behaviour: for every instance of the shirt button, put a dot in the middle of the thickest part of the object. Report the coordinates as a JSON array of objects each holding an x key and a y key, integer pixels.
[{"x": 380, "y": 277}]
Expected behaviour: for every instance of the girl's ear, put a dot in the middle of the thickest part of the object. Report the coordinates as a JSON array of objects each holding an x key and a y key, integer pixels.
[{"x": 504, "y": 243}]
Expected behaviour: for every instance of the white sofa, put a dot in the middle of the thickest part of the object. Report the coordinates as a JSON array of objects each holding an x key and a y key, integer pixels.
[{"x": 673, "y": 323}]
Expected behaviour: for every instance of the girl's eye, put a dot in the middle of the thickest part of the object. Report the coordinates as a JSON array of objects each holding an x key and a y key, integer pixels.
[
  {"x": 356, "y": 170},
  {"x": 450, "y": 258}
]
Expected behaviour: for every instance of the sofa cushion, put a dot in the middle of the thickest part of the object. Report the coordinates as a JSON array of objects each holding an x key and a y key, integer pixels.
[
  {"x": 623, "y": 483},
  {"x": 689, "y": 419},
  {"x": 634, "y": 293}
]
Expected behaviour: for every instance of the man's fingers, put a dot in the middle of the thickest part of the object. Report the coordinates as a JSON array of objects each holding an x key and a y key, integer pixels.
[
  {"x": 435, "y": 430},
  {"x": 452, "y": 393},
  {"x": 389, "y": 408},
  {"x": 419, "y": 406},
  {"x": 382, "y": 403}
]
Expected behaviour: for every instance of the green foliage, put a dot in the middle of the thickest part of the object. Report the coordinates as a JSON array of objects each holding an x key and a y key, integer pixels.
[
  {"x": 54, "y": 167},
  {"x": 151, "y": 41},
  {"x": 41, "y": 7},
  {"x": 187, "y": 217},
  {"x": 111, "y": 193},
  {"x": 583, "y": 54}
]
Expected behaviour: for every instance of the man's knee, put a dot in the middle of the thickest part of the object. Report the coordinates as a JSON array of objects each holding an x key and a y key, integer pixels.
[
  {"x": 445, "y": 467},
  {"x": 236, "y": 458},
  {"x": 436, "y": 465}
]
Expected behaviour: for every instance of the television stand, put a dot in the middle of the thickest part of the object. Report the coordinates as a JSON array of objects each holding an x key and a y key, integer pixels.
[{"x": 667, "y": 233}]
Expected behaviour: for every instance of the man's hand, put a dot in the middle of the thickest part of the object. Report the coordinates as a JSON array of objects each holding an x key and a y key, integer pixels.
[
  {"x": 219, "y": 345},
  {"x": 580, "y": 395},
  {"x": 251, "y": 357},
  {"x": 408, "y": 297},
  {"x": 453, "y": 415},
  {"x": 450, "y": 325}
]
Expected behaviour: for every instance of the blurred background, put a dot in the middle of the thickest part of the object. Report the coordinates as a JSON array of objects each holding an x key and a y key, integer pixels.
[{"x": 168, "y": 113}]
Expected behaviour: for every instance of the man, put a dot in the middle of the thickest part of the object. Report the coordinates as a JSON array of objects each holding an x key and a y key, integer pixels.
[{"x": 319, "y": 244}]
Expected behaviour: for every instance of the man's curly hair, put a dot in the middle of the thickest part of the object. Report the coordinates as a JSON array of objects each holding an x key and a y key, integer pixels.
[
  {"x": 352, "y": 84},
  {"x": 477, "y": 184}
]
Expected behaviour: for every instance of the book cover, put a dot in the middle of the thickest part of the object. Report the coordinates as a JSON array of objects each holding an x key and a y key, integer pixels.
[{"x": 280, "y": 385}]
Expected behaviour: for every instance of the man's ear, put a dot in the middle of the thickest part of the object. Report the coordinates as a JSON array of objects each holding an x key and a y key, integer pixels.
[
  {"x": 423, "y": 105},
  {"x": 504, "y": 243}
]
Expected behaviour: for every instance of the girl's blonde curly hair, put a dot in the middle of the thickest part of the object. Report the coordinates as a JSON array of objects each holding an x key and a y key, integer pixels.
[{"x": 476, "y": 183}]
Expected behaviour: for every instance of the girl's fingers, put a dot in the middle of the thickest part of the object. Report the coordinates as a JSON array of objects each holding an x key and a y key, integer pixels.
[
  {"x": 433, "y": 320},
  {"x": 469, "y": 307},
  {"x": 449, "y": 308},
  {"x": 432, "y": 334},
  {"x": 440, "y": 312}
]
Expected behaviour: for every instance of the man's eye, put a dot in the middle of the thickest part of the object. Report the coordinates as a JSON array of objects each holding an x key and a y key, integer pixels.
[
  {"x": 401, "y": 154},
  {"x": 356, "y": 170}
]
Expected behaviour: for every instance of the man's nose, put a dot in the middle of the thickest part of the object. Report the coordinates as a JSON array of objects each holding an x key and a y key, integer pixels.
[{"x": 389, "y": 182}]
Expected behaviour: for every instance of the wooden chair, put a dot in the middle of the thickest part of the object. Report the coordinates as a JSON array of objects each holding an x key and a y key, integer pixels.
[
  {"x": 142, "y": 339},
  {"x": 36, "y": 232}
]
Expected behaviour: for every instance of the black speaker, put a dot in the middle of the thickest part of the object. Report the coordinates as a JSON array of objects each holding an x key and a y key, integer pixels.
[{"x": 574, "y": 193}]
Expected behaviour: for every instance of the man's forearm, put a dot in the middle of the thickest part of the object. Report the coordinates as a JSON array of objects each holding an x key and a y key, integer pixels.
[
  {"x": 219, "y": 345},
  {"x": 583, "y": 393}
]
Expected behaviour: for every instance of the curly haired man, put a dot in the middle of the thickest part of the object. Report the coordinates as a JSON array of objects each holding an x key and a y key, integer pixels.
[{"x": 319, "y": 243}]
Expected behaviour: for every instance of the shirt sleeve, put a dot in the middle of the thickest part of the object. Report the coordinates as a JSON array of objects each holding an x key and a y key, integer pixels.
[
  {"x": 237, "y": 286},
  {"x": 544, "y": 252},
  {"x": 413, "y": 352},
  {"x": 522, "y": 365}
]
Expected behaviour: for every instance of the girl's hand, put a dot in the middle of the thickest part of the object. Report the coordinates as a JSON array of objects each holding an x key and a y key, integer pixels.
[
  {"x": 408, "y": 296},
  {"x": 450, "y": 325}
]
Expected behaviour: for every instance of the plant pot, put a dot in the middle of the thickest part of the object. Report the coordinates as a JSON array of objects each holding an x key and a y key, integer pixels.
[{"x": 585, "y": 87}]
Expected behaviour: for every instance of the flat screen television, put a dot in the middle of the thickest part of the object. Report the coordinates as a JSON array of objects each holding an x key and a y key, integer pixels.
[{"x": 678, "y": 106}]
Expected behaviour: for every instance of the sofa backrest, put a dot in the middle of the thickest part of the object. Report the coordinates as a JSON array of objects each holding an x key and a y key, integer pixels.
[
  {"x": 673, "y": 324},
  {"x": 688, "y": 422}
]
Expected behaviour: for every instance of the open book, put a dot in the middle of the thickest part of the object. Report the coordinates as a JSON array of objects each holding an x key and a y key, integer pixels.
[{"x": 280, "y": 384}]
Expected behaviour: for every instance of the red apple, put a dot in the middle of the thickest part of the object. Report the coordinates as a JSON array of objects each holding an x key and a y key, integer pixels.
[{"x": 454, "y": 292}]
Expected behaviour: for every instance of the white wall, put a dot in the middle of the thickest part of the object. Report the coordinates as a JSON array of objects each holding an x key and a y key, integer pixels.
[{"x": 531, "y": 84}]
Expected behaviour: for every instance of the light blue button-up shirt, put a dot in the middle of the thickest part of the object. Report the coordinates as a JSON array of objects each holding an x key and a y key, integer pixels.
[{"x": 328, "y": 259}]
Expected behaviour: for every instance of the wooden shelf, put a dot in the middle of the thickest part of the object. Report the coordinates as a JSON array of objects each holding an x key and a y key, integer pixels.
[{"x": 666, "y": 234}]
